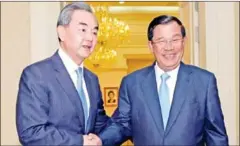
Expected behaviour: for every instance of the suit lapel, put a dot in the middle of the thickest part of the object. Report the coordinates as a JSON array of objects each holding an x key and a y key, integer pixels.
[
  {"x": 180, "y": 94},
  {"x": 149, "y": 89},
  {"x": 92, "y": 97},
  {"x": 66, "y": 83}
]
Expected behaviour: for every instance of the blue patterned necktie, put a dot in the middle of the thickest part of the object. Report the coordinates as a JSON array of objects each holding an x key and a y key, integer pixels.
[
  {"x": 164, "y": 98},
  {"x": 82, "y": 94}
]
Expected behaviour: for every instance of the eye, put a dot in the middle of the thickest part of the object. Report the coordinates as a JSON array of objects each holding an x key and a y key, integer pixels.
[
  {"x": 82, "y": 29},
  {"x": 162, "y": 42},
  {"x": 95, "y": 33},
  {"x": 176, "y": 40}
]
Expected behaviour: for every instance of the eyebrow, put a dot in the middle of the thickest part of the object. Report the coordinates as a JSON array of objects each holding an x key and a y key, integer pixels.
[
  {"x": 85, "y": 24},
  {"x": 159, "y": 38},
  {"x": 82, "y": 23},
  {"x": 176, "y": 35}
]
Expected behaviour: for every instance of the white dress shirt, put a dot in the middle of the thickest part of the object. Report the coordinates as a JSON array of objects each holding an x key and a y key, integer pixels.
[
  {"x": 71, "y": 67},
  {"x": 171, "y": 82}
]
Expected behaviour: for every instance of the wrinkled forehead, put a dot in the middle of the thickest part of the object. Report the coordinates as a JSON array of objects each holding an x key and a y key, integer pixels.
[{"x": 169, "y": 30}]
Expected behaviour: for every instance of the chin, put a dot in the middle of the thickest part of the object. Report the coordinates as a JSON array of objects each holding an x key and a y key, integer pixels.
[
  {"x": 170, "y": 62},
  {"x": 85, "y": 54},
  {"x": 172, "y": 65}
]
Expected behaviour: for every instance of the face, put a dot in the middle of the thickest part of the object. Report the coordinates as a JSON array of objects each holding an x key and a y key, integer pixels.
[
  {"x": 79, "y": 37},
  {"x": 167, "y": 45},
  {"x": 111, "y": 95}
]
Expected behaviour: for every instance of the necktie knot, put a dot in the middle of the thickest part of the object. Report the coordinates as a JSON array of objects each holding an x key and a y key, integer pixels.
[{"x": 164, "y": 77}]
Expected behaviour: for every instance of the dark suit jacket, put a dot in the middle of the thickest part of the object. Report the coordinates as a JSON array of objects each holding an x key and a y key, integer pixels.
[
  {"x": 195, "y": 116},
  {"x": 49, "y": 110}
]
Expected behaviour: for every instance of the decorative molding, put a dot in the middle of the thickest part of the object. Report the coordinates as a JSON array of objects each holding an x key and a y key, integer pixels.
[
  {"x": 202, "y": 35},
  {"x": 138, "y": 56},
  {"x": 142, "y": 9}
]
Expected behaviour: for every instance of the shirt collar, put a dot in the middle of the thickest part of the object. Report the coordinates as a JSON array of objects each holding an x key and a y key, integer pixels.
[
  {"x": 172, "y": 73},
  {"x": 70, "y": 65}
]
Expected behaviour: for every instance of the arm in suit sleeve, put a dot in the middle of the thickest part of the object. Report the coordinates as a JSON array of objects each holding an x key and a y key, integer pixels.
[
  {"x": 102, "y": 119},
  {"x": 32, "y": 114},
  {"x": 120, "y": 128},
  {"x": 215, "y": 131}
]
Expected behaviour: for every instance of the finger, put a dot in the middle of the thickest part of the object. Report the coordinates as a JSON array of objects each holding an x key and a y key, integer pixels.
[{"x": 92, "y": 135}]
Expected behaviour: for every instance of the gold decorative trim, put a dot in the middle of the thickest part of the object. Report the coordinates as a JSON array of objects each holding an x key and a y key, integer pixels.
[{"x": 139, "y": 56}]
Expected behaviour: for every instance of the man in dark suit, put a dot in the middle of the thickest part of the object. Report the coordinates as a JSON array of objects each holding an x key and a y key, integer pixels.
[
  {"x": 59, "y": 101},
  {"x": 168, "y": 103}
]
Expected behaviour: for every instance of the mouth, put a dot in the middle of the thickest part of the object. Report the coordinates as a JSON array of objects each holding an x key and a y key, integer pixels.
[
  {"x": 169, "y": 56},
  {"x": 87, "y": 47}
]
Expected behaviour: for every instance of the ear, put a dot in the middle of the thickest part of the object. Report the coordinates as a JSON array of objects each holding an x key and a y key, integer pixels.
[
  {"x": 61, "y": 32},
  {"x": 150, "y": 46}
]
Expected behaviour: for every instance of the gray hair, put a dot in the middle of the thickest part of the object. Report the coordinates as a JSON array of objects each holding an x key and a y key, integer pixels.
[{"x": 66, "y": 13}]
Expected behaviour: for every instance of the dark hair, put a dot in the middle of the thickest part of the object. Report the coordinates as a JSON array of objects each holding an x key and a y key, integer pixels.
[
  {"x": 164, "y": 19},
  {"x": 110, "y": 92}
]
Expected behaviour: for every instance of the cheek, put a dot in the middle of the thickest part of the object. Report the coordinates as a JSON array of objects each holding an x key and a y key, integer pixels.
[
  {"x": 94, "y": 42},
  {"x": 79, "y": 37},
  {"x": 157, "y": 51},
  {"x": 180, "y": 50}
]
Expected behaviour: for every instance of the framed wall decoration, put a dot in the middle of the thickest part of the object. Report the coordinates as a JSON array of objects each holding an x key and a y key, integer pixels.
[{"x": 110, "y": 96}]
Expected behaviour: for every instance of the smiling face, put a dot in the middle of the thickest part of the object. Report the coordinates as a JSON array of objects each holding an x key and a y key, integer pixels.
[
  {"x": 167, "y": 45},
  {"x": 79, "y": 37}
]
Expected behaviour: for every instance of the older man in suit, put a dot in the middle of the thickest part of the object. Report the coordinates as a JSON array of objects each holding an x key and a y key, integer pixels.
[
  {"x": 59, "y": 101},
  {"x": 169, "y": 102}
]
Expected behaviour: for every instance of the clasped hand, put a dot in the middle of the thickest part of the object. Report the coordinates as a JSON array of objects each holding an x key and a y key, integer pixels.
[{"x": 91, "y": 139}]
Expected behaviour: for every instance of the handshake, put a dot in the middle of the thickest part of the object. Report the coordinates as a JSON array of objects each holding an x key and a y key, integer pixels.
[{"x": 91, "y": 139}]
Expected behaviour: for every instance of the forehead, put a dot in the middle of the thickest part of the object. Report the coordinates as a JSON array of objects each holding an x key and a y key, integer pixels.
[
  {"x": 85, "y": 17},
  {"x": 168, "y": 29}
]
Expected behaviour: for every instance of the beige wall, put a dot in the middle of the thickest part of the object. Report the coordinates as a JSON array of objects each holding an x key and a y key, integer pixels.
[
  {"x": 27, "y": 35},
  {"x": 15, "y": 54},
  {"x": 43, "y": 21},
  {"x": 237, "y": 65},
  {"x": 221, "y": 59}
]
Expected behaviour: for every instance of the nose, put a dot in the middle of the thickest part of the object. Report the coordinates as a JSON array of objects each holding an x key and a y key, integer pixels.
[
  {"x": 89, "y": 36},
  {"x": 169, "y": 45}
]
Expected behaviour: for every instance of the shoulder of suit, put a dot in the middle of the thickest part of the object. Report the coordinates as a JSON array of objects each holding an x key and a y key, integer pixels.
[
  {"x": 45, "y": 63},
  {"x": 199, "y": 71},
  {"x": 38, "y": 69}
]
